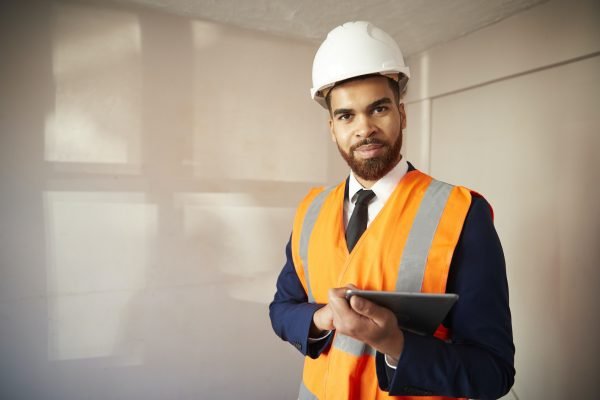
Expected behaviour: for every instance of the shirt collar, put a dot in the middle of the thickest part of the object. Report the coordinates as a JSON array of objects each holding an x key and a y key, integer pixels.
[{"x": 384, "y": 187}]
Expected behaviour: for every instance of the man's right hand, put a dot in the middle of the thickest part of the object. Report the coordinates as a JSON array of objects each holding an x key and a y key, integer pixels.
[{"x": 322, "y": 321}]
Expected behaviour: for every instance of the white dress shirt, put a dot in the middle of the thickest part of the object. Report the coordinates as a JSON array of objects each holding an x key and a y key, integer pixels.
[{"x": 383, "y": 189}]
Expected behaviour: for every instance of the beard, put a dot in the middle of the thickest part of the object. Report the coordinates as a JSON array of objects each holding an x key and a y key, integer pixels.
[{"x": 375, "y": 168}]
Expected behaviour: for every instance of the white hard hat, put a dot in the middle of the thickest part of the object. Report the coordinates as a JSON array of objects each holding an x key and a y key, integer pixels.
[{"x": 354, "y": 49}]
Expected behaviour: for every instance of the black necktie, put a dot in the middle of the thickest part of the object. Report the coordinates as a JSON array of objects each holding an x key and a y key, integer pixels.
[{"x": 360, "y": 216}]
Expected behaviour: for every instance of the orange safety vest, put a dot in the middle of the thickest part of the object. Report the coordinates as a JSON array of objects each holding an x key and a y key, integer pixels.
[{"x": 408, "y": 247}]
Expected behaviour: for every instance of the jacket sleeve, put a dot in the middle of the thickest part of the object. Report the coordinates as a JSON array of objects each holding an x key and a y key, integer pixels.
[
  {"x": 479, "y": 360},
  {"x": 290, "y": 312}
]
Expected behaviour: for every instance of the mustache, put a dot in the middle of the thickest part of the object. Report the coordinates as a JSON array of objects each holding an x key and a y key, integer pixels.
[{"x": 368, "y": 141}]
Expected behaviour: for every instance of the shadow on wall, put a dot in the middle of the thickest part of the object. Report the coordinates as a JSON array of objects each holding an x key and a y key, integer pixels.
[{"x": 161, "y": 182}]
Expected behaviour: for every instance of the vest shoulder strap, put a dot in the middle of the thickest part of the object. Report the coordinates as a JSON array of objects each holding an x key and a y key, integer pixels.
[{"x": 304, "y": 222}]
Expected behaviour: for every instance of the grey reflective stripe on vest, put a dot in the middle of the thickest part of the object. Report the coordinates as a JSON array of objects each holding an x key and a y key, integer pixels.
[
  {"x": 305, "y": 394},
  {"x": 418, "y": 243},
  {"x": 352, "y": 346},
  {"x": 307, "y": 227}
]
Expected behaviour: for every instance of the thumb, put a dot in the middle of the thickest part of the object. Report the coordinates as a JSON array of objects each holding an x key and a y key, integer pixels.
[{"x": 370, "y": 310}]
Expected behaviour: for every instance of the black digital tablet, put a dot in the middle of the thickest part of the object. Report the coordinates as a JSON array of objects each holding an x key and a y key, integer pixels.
[{"x": 421, "y": 313}]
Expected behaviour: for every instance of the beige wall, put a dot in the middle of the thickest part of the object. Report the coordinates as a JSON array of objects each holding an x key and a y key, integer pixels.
[
  {"x": 512, "y": 112},
  {"x": 150, "y": 167}
]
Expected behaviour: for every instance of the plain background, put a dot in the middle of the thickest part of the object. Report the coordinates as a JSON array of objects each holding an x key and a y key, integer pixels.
[{"x": 150, "y": 166}]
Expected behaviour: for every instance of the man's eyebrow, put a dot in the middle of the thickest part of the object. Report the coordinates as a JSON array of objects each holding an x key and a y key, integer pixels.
[
  {"x": 377, "y": 103},
  {"x": 342, "y": 111}
]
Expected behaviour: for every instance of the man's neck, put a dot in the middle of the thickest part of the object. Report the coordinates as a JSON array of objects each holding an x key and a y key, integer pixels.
[{"x": 364, "y": 183}]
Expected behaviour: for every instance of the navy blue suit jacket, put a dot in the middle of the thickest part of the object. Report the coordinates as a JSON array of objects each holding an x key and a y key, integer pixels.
[{"x": 479, "y": 360}]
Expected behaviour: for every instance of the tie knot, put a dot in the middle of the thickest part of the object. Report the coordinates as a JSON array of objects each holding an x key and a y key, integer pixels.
[{"x": 364, "y": 197}]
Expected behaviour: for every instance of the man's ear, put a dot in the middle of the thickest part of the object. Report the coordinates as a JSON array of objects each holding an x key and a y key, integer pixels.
[
  {"x": 331, "y": 132},
  {"x": 402, "y": 115}
]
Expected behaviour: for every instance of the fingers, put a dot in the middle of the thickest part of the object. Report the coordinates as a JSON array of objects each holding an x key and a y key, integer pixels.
[
  {"x": 381, "y": 331},
  {"x": 338, "y": 303},
  {"x": 335, "y": 293},
  {"x": 381, "y": 316},
  {"x": 344, "y": 318},
  {"x": 357, "y": 307},
  {"x": 322, "y": 320},
  {"x": 366, "y": 321}
]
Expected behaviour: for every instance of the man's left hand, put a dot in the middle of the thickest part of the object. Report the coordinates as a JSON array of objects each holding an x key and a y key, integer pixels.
[{"x": 366, "y": 321}]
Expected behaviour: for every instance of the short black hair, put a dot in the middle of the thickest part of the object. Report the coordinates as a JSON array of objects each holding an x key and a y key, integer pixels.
[{"x": 393, "y": 84}]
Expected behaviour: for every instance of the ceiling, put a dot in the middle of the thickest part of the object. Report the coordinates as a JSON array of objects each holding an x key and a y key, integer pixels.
[{"x": 416, "y": 24}]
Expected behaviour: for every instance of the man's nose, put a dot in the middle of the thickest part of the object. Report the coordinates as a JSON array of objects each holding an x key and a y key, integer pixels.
[{"x": 364, "y": 126}]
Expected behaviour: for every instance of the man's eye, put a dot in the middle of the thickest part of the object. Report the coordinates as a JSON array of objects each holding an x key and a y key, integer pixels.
[
  {"x": 380, "y": 109},
  {"x": 344, "y": 117}
]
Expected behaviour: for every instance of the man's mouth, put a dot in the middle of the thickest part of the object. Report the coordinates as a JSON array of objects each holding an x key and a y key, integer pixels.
[{"x": 369, "y": 150}]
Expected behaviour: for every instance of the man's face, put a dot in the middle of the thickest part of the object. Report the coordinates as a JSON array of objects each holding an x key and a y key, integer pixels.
[{"x": 366, "y": 124}]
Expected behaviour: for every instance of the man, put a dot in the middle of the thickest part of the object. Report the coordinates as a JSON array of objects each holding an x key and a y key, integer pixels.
[{"x": 388, "y": 227}]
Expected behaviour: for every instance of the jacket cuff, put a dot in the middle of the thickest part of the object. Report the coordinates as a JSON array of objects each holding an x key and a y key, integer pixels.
[{"x": 311, "y": 347}]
